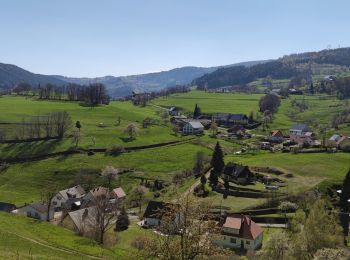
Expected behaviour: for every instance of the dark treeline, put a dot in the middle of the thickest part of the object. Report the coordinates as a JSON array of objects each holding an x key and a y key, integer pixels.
[
  {"x": 238, "y": 75},
  {"x": 93, "y": 94},
  {"x": 50, "y": 125},
  {"x": 336, "y": 86},
  {"x": 340, "y": 56}
]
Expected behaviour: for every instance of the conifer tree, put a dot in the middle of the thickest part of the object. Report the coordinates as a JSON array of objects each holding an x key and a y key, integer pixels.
[{"x": 217, "y": 161}]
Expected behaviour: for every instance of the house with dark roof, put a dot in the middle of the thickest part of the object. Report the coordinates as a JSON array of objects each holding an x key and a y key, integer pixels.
[
  {"x": 81, "y": 221},
  {"x": 238, "y": 173},
  {"x": 37, "y": 210},
  {"x": 193, "y": 128},
  {"x": 155, "y": 211},
  {"x": 93, "y": 195},
  {"x": 228, "y": 120},
  {"x": 299, "y": 129},
  {"x": 72, "y": 194},
  {"x": 239, "y": 231}
]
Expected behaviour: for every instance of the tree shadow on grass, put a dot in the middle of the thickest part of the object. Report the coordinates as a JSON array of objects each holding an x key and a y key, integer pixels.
[
  {"x": 126, "y": 139},
  {"x": 22, "y": 150}
]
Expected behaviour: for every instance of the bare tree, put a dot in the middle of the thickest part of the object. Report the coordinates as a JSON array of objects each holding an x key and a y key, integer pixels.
[
  {"x": 110, "y": 173},
  {"x": 76, "y": 138},
  {"x": 131, "y": 130},
  {"x": 50, "y": 191},
  {"x": 105, "y": 214},
  {"x": 190, "y": 233},
  {"x": 62, "y": 122}
]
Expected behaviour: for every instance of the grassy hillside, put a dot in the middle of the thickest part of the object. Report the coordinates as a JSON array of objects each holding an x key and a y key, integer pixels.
[
  {"x": 212, "y": 102},
  {"x": 25, "y": 238},
  {"x": 24, "y": 182},
  {"x": 110, "y": 134}
]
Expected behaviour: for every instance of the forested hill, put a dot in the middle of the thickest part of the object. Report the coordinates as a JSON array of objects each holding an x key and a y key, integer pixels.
[
  {"x": 124, "y": 85},
  {"x": 284, "y": 68},
  {"x": 10, "y": 75}
]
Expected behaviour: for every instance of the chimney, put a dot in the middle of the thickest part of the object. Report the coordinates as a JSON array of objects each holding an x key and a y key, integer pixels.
[{"x": 242, "y": 219}]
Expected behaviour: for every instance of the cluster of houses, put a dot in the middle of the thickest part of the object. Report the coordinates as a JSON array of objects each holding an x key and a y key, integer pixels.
[
  {"x": 300, "y": 135},
  {"x": 76, "y": 206},
  {"x": 235, "y": 123},
  {"x": 236, "y": 231}
]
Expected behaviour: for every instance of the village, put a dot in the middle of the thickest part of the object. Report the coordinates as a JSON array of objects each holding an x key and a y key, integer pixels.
[{"x": 90, "y": 213}]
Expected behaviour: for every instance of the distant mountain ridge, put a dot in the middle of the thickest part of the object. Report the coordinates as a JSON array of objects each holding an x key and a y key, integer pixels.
[
  {"x": 10, "y": 75},
  {"x": 287, "y": 67},
  {"x": 124, "y": 85}
]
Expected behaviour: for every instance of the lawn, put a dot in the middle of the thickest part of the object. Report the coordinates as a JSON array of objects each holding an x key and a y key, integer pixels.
[
  {"x": 308, "y": 169},
  {"x": 212, "y": 102},
  {"x": 25, "y": 238},
  {"x": 92, "y": 134}
]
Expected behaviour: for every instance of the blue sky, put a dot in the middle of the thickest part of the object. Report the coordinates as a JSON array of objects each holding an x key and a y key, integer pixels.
[{"x": 111, "y": 37}]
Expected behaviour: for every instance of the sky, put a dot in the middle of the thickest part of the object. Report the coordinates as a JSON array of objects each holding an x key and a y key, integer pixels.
[{"x": 90, "y": 38}]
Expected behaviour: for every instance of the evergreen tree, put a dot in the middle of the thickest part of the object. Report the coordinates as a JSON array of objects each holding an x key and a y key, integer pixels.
[
  {"x": 213, "y": 178},
  {"x": 78, "y": 125},
  {"x": 217, "y": 161},
  {"x": 122, "y": 222},
  {"x": 197, "y": 111},
  {"x": 344, "y": 204}
]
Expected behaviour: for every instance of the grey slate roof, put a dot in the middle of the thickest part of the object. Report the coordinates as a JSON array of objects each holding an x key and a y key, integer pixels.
[
  {"x": 73, "y": 192},
  {"x": 300, "y": 127},
  {"x": 196, "y": 124},
  {"x": 84, "y": 217}
]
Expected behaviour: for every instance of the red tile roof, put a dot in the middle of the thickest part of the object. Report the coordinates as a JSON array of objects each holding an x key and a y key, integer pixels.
[
  {"x": 119, "y": 192},
  {"x": 248, "y": 229}
]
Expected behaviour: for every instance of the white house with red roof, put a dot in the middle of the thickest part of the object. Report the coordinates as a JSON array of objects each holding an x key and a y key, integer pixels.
[{"x": 239, "y": 231}]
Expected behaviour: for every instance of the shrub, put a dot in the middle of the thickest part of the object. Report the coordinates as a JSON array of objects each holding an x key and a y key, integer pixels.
[
  {"x": 115, "y": 150},
  {"x": 140, "y": 242}
]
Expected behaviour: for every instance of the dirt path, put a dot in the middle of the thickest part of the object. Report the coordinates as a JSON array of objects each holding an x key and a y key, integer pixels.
[{"x": 69, "y": 251}]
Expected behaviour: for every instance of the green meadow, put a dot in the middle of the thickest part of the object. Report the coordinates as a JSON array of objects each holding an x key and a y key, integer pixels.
[
  {"x": 99, "y": 125},
  {"x": 26, "y": 238},
  {"x": 212, "y": 102}
]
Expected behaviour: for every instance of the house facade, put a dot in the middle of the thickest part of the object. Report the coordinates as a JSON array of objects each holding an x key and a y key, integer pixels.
[
  {"x": 238, "y": 173},
  {"x": 299, "y": 129},
  {"x": 276, "y": 136},
  {"x": 228, "y": 120},
  {"x": 193, "y": 128},
  {"x": 37, "y": 210},
  {"x": 155, "y": 212},
  {"x": 239, "y": 231}
]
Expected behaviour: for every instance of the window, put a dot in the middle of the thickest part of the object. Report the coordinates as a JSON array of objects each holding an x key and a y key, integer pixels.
[
  {"x": 233, "y": 240},
  {"x": 247, "y": 242}
]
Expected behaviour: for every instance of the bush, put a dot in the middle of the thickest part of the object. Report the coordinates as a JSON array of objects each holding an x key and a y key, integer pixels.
[
  {"x": 287, "y": 206},
  {"x": 122, "y": 222},
  {"x": 115, "y": 150},
  {"x": 140, "y": 242}
]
